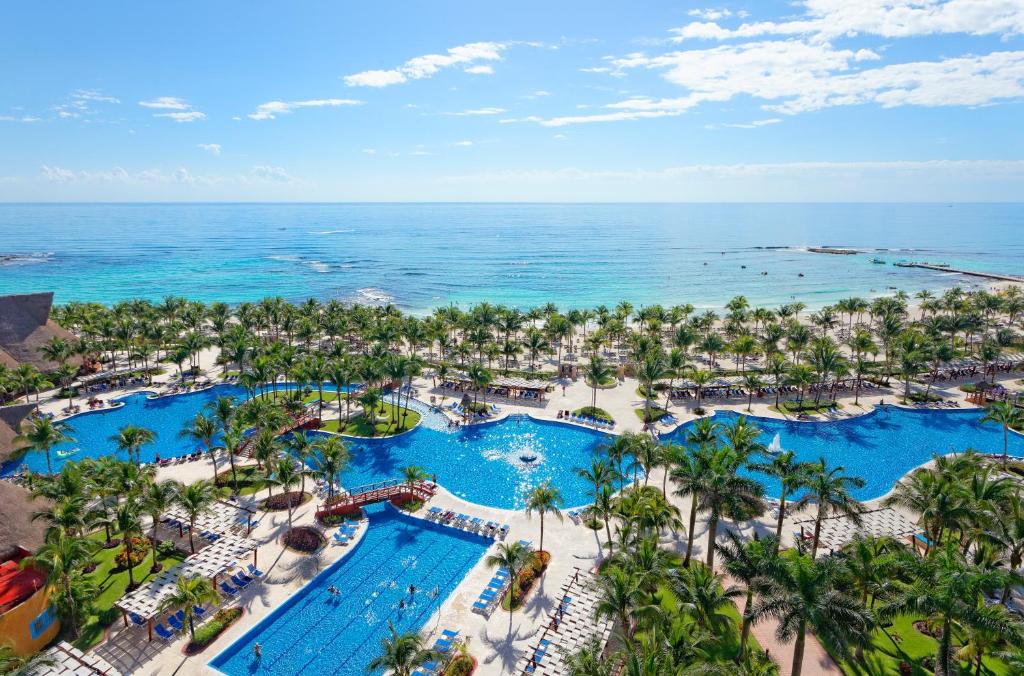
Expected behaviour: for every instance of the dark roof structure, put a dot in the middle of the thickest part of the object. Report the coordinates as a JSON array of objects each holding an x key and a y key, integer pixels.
[
  {"x": 11, "y": 418},
  {"x": 17, "y": 529},
  {"x": 25, "y": 327}
]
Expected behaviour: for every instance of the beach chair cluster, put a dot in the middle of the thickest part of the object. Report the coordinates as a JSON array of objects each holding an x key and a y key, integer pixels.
[
  {"x": 345, "y": 534},
  {"x": 570, "y": 625},
  {"x": 240, "y": 580},
  {"x": 493, "y": 592},
  {"x": 587, "y": 420},
  {"x": 578, "y": 516},
  {"x": 443, "y": 645},
  {"x": 470, "y": 524},
  {"x": 456, "y": 408}
]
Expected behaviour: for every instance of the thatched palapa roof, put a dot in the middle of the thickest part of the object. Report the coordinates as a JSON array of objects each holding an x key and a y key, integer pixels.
[
  {"x": 25, "y": 326},
  {"x": 17, "y": 529},
  {"x": 11, "y": 418}
]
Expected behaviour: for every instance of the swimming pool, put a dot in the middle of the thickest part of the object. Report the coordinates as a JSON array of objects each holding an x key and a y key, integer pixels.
[
  {"x": 166, "y": 416},
  {"x": 880, "y": 446},
  {"x": 317, "y": 633},
  {"x": 481, "y": 463}
]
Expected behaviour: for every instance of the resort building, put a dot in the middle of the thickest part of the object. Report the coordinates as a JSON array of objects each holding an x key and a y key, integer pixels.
[
  {"x": 27, "y": 622},
  {"x": 11, "y": 418},
  {"x": 25, "y": 327}
]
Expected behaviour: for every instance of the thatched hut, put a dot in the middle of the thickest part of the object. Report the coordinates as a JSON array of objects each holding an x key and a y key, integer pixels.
[{"x": 25, "y": 327}]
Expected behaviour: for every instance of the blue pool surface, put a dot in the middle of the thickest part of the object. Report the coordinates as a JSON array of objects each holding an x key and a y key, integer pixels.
[
  {"x": 481, "y": 463},
  {"x": 880, "y": 446},
  {"x": 166, "y": 416},
  {"x": 314, "y": 632}
]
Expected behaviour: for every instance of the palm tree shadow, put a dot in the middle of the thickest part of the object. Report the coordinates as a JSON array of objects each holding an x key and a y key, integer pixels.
[{"x": 503, "y": 648}]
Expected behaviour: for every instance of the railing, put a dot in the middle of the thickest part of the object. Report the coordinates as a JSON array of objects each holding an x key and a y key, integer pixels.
[
  {"x": 376, "y": 492},
  {"x": 301, "y": 420}
]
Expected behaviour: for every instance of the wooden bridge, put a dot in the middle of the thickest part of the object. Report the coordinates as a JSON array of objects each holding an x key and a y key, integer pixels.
[
  {"x": 305, "y": 419},
  {"x": 376, "y": 492}
]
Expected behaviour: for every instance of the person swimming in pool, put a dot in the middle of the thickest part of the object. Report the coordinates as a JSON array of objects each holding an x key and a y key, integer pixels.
[
  {"x": 412, "y": 590},
  {"x": 435, "y": 592},
  {"x": 257, "y": 650}
]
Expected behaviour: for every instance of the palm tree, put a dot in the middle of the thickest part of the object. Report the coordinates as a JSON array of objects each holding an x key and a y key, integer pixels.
[
  {"x": 588, "y": 660},
  {"x": 401, "y": 654},
  {"x": 705, "y": 598},
  {"x": 132, "y": 438},
  {"x": 330, "y": 461},
  {"x": 286, "y": 475},
  {"x": 202, "y": 429},
  {"x": 544, "y": 499},
  {"x": 948, "y": 590},
  {"x": 830, "y": 490},
  {"x": 157, "y": 499},
  {"x": 513, "y": 556},
  {"x": 413, "y": 474},
  {"x": 723, "y": 492},
  {"x": 197, "y": 499},
  {"x": 42, "y": 435},
  {"x": 803, "y": 595},
  {"x": 648, "y": 372},
  {"x": 619, "y": 598},
  {"x": 1007, "y": 415},
  {"x": 61, "y": 558},
  {"x": 752, "y": 382},
  {"x": 370, "y": 400},
  {"x": 750, "y": 562},
  {"x": 596, "y": 372},
  {"x": 791, "y": 475},
  {"x": 190, "y": 593},
  {"x": 301, "y": 446},
  {"x": 126, "y": 516}
]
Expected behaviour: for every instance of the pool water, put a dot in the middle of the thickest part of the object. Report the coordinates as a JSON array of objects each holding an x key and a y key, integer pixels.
[
  {"x": 166, "y": 416},
  {"x": 880, "y": 446},
  {"x": 317, "y": 633},
  {"x": 481, "y": 463}
]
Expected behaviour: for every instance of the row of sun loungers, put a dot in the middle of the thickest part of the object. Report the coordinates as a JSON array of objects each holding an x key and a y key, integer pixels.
[
  {"x": 239, "y": 580},
  {"x": 586, "y": 420},
  {"x": 570, "y": 625},
  {"x": 444, "y": 646},
  {"x": 492, "y": 594},
  {"x": 471, "y": 524},
  {"x": 345, "y": 534}
]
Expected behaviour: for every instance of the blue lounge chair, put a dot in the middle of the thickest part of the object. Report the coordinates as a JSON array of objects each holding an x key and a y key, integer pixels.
[
  {"x": 228, "y": 589},
  {"x": 238, "y": 582},
  {"x": 198, "y": 611},
  {"x": 481, "y": 605},
  {"x": 137, "y": 620},
  {"x": 175, "y": 623},
  {"x": 254, "y": 571},
  {"x": 442, "y": 645},
  {"x": 488, "y": 594},
  {"x": 163, "y": 633},
  {"x": 449, "y": 634}
]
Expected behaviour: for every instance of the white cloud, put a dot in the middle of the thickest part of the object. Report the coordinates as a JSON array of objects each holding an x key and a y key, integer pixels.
[
  {"x": 710, "y": 14},
  {"x": 793, "y": 76},
  {"x": 745, "y": 125},
  {"x": 463, "y": 144},
  {"x": 166, "y": 103},
  {"x": 559, "y": 137},
  {"x": 478, "y": 111},
  {"x": 183, "y": 116},
  {"x": 212, "y": 148},
  {"x": 828, "y": 19},
  {"x": 369, "y": 151},
  {"x": 271, "y": 109},
  {"x": 179, "y": 175},
  {"x": 19, "y": 118},
  {"x": 93, "y": 95},
  {"x": 419, "y": 153},
  {"x": 479, "y": 70},
  {"x": 428, "y": 65},
  {"x": 272, "y": 174}
]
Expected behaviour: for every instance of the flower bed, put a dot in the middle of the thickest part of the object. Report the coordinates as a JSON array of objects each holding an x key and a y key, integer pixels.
[
  {"x": 463, "y": 665},
  {"x": 305, "y": 539},
  {"x": 525, "y": 580},
  {"x": 140, "y": 547},
  {"x": 207, "y": 633},
  {"x": 279, "y": 502}
]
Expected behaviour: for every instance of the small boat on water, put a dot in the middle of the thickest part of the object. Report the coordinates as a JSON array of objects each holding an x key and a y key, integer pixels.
[{"x": 68, "y": 453}]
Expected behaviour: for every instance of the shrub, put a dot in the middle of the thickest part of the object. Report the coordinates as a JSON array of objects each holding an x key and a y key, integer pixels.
[
  {"x": 595, "y": 412},
  {"x": 463, "y": 665},
  {"x": 140, "y": 547},
  {"x": 305, "y": 539},
  {"x": 279, "y": 502},
  {"x": 206, "y": 633}
]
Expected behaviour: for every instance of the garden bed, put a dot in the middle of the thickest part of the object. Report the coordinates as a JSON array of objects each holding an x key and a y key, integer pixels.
[
  {"x": 462, "y": 665},
  {"x": 303, "y": 539},
  {"x": 595, "y": 412},
  {"x": 527, "y": 577},
  {"x": 651, "y": 414},
  {"x": 207, "y": 633},
  {"x": 280, "y": 502}
]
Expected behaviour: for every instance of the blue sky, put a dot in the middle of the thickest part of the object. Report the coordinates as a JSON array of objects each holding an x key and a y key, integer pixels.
[{"x": 553, "y": 101}]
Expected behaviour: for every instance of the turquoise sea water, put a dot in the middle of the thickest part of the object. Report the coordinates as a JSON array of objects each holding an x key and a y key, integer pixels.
[
  {"x": 880, "y": 447},
  {"x": 420, "y": 256},
  {"x": 314, "y": 632}
]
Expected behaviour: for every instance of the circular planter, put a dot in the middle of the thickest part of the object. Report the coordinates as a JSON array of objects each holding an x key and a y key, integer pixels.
[{"x": 303, "y": 539}]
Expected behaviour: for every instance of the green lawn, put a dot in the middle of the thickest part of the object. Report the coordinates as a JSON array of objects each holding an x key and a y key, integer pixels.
[
  {"x": 903, "y": 643},
  {"x": 654, "y": 413},
  {"x": 788, "y": 406},
  {"x": 111, "y": 584},
  {"x": 250, "y": 479},
  {"x": 386, "y": 424}
]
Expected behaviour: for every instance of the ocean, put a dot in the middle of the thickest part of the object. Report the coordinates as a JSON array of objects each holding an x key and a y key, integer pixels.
[{"x": 420, "y": 256}]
